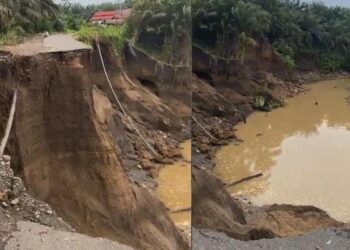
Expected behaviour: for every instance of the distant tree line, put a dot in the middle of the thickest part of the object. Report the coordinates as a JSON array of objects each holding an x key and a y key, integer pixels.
[
  {"x": 159, "y": 27},
  {"x": 294, "y": 28},
  {"x": 20, "y": 17},
  {"x": 163, "y": 28}
]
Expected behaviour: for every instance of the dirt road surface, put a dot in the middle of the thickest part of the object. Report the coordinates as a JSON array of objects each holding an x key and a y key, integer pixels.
[
  {"x": 325, "y": 239},
  {"x": 53, "y": 43},
  {"x": 35, "y": 236}
]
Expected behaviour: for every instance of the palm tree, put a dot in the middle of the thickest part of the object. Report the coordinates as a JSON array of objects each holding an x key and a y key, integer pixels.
[
  {"x": 169, "y": 19},
  {"x": 20, "y": 12}
]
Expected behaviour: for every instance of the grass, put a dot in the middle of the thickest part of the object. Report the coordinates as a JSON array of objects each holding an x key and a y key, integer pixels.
[
  {"x": 12, "y": 37},
  {"x": 115, "y": 34}
]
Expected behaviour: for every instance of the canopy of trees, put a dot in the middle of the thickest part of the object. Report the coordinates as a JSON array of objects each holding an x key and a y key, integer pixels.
[
  {"x": 294, "y": 28},
  {"x": 164, "y": 27},
  {"x": 24, "y": 13},
  {"x": 44, "y": 15}
]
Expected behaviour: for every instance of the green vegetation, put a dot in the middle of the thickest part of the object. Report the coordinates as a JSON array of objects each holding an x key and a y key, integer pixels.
[
  {"x": 18, "y": 17},
  {"x": 331, "y": 62},
  {"x": 27, "y": 17},
  {"x": 12, "y": 36},
  {"x": 294, "y": 28},
  {"x": 24, "y": 13},
  {"x": 116, "y": 34},
  {"x": 163, "y": 29},
  {"x": 72, "y": 16},
  {"x": 217, "y": 24},
  {"x": 287, "y": 53},
  {"x": 264, "y": 101}
]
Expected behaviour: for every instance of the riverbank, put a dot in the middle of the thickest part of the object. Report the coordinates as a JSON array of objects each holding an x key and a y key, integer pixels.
[
  {"x": 220, "y": 120},
  {"x": 222, "y": 127}
]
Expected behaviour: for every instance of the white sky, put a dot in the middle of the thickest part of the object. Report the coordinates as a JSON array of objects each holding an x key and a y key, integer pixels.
[{"x": 345, "y": 3}]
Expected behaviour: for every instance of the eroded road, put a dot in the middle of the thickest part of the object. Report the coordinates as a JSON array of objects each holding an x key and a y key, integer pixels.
[{"x": 39, "y": 45}]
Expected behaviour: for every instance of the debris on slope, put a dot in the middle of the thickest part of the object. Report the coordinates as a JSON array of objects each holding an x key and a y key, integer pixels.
[{"x": 17, "y": 205}]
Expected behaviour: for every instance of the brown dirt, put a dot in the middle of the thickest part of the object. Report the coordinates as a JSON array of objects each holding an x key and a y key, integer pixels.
[
  {"x": 288, "y": 220},
  {"x": 78, "y": 156}
]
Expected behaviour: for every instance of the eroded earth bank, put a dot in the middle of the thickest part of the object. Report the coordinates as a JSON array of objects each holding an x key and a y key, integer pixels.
[
  {"x": 225, "y": 93},
  {"x": 76, "y": 150}
]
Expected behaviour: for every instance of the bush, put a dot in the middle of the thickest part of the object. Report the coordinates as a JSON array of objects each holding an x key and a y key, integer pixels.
[
  {"x": 346, "y": 64},
  {"x": 289, "y": 61},
  {"x": 331, "y": 62},
  {"x": 116, "y": 34},
  {"x": 58, "y": 25},
  {"x": 12, "y": 36},
  {"x": 264, "y": 101},
  {"x": 287, "y": 53},
  {"x": 73, "y": 22}
]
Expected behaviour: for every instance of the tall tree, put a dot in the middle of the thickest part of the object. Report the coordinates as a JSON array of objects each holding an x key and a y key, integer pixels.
[{"x": 22, "y": 12}]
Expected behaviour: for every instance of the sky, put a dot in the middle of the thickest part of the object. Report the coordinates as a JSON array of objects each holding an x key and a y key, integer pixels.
[
  {"x": 345, "y": 3},
  {"x": 327, "y": 2}
]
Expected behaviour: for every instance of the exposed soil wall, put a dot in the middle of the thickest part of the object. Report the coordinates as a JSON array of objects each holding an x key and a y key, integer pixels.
[
  {"x": 169, "y": 80},
  {"x": 68, "y": 141}
]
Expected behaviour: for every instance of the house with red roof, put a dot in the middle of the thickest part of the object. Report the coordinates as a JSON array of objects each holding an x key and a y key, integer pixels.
[{"x": 111, "y": 17}]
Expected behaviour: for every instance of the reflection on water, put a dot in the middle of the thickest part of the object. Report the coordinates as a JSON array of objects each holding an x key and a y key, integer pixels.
[
  {"x": 303, "y": 150},
  {"x": 174, "y": 186}
]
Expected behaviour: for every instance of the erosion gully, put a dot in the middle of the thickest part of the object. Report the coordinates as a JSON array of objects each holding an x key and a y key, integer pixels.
[{"x": 302, "y": 150}]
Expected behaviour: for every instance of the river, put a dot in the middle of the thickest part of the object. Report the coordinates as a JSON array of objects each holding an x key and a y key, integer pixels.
[
  {"x": 174, "y": 187},
  {"x": 302, "y": 150}
]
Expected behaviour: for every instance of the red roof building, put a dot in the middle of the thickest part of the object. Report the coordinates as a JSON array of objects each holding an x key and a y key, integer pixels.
[{"x": 111, "y": 17}]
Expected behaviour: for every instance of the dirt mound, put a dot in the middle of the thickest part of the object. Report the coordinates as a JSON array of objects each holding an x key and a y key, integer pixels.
[
  {"x": 288, "y": 220},
  {"x": 213, "y": 208},
  {"x": 208, "y": 189},
  {"x": 71, "y": 150}
]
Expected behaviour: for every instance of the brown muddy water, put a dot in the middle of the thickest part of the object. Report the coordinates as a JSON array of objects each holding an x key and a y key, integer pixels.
[
  {"x": 174, "y": 187},
  {"x": 303, "y": 151}
]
